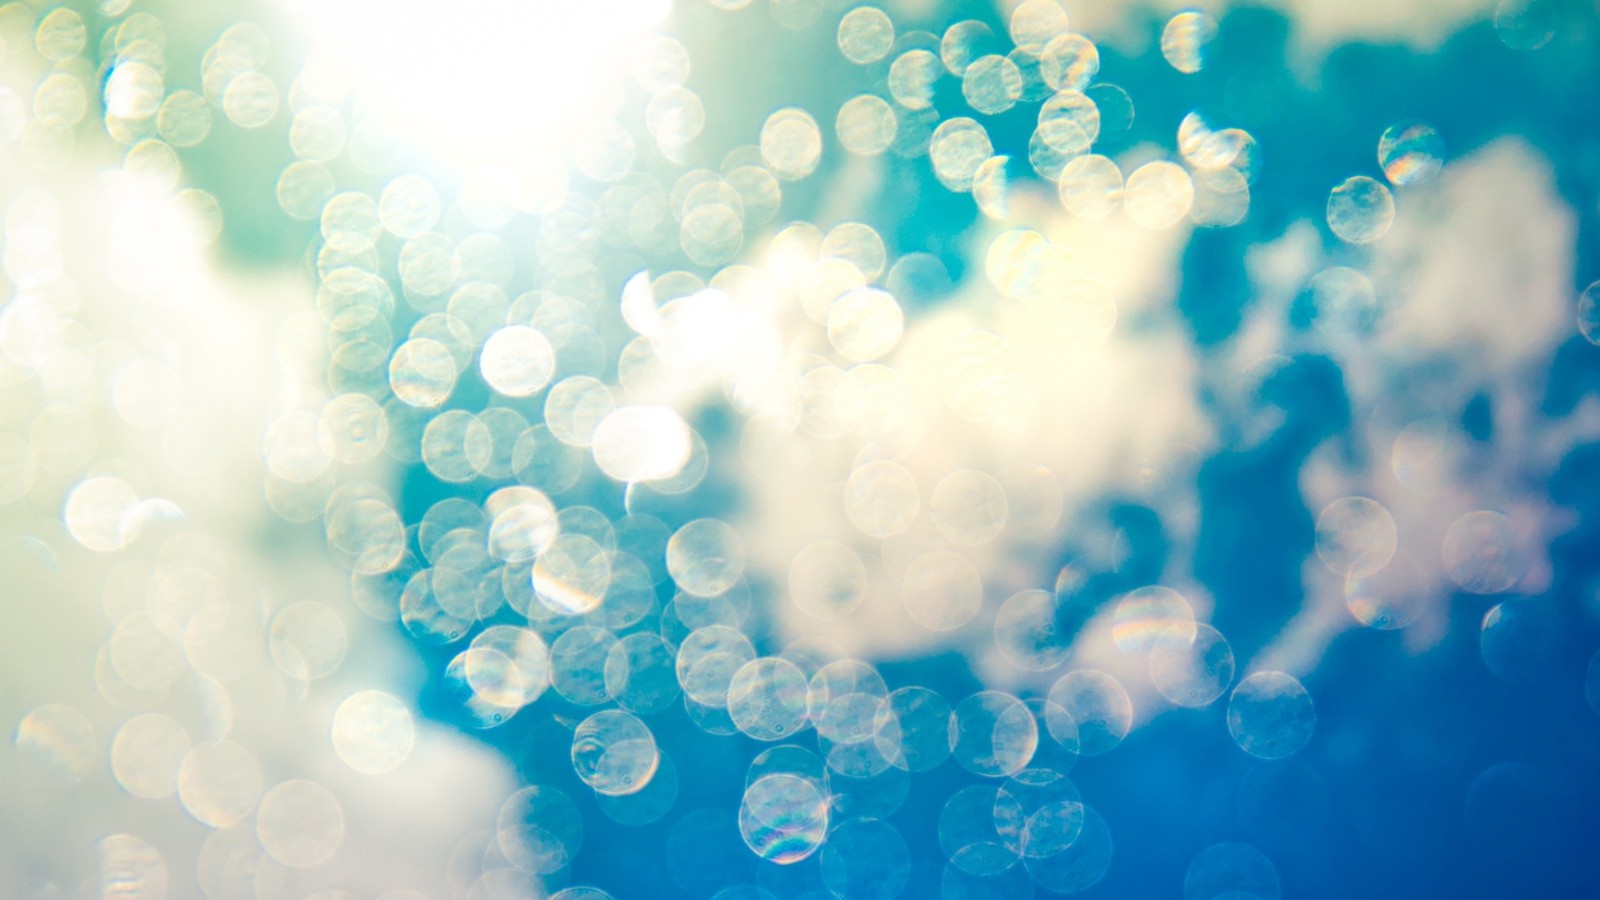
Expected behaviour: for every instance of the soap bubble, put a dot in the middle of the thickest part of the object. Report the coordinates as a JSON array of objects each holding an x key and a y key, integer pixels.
[
  {"x": 1410, "y": 153},
  {"x": 993, "y": 733},
  {"x": 1360, "y": 210},
  {"x": 783, "y": 818},
  {"x": 614, "y": 753},
  {"x": 1270, "y": 715},
  {"x": 767, "y": 698},
  {"x": 1185, "y": 38}
]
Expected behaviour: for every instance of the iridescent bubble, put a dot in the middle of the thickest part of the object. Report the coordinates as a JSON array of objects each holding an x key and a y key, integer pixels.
[
  {"x": 768, "y": 698},
  {"x": 993, "y": 734},
  {"x": 1410, "y": 153},
  {"x": 1192, "y": 670},
  {"x": 1097, "y": 707},
  {"x": 1356, "y": 536},
  {"x": 1069, "y": 122},
  {"x": 517, "y": 361},
  {"x": 942, "y": 591},
  {"x": 1148, "y": 615},
  {"x": 1270, "y": 715},
  {"x": 372, "y": 732},
  {"x": 959, "y": 146},
  {"x": 146, "y": 753},
  {"x": 1090, "y": 186},
  {"x": 1158, "y": 195},
  {"x": 783, "y": 818},
  {"x": 614, "y": 753},
  {"x": 866, "y": 125},
  {"x": 865, "y": 35},
  {"x": 1392, "y": 598},
  {"x": 130, "y": 868},
  {"x": 515, "y": 672},
  {"x": 1231, "y": 870},
  {"x": 58, "y": 739},
  {"x": 1360, "y": 210},
  {"x": 991, "y": 84},
  {"x": 539, "y": 830},
  {"x": 1483, "y": 553},
  {"x": 881, "y": 498},
  {"x": 791, "y": 143},
  {"x": 1185, "y": 38}
]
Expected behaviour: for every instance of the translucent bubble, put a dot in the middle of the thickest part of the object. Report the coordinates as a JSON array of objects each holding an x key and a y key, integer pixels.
[
  {"x": 640, "y": 672},
  {"x": 957, "y": 149},
  {"x": 1483, "y": 553},
  {"x": 1079, "y": 866},
  {"x": 993, "y": 734},
  {"x": 705, "y": 557},
  {"x": 1038, "y": 813},
  {"x": 184, "y": 119},
  {"x": 968, "y": 507},
  {"x": 1270, "y": 715},
  {"x": 964, "y": 42},
  {"x": 575, "y": 407},
  {"x": 865, "y": 35},
  {"x": 865, "y": 858},
  {"x": 859, "y": 245},
  {"x": 146, "y": 753},
  {"x": 219, "y": 783},
  {"x": 517, "y": 361},
  {"x": 578, "y": 662},
  {"x": 102, "y": 513},
  {"x": 1525, "y": 24},
  {"x": 791, "y": 143},
  {"x": 1410, "y": 153},
  {"x": 516, "y": 672},
  {"x": 1158, "y": 195},
  {"x": 251, "y": 100},
  {"x": 866, "y": 125},
  {"x": 130, "y": 868},
  {"x": 1355, "y": 536},
  {"x": 1344, "y": 303},
  {"x": 614, "y": 753},
  {"x": 991, "y": 84},
  {"x": 1090, "y": 186},
  {"x": 1069, "y": 62},
  {"x": 422, "y": 373},
  {"x": 1520, "y": 638},
  {"x": 1589, "y": 313},
  {"x": 912, "y": 77},
  {"x": 942, "y": 591},
  {"x": 881, "y": 498},
  {"x": 865, "y": 324},
  {"x": 1192, "y": 670},
  {"x": 300, "y": 824},
  {"x": 539, "y": 830},
  {"x": 991, "y": 189},
  {"x": 1035, "y": 23},
  {"x": 767, "y": 698},
  {"x": 674, "y": 117},
  {"x": 641, "y": 443},
  {"x": 650, "y": 802},
  {"x": 783, "y": 818},
  {"x": 61, "y": 34},
  {"x": 373, "y": 732},
  {"x": 1230, "y": 870},
  {"x": 57, "y": 739},
  {"x": 1148, "y": 615},
  {"x": 1069, "y": 122},
  {"x": 1360, "y": 210},
  {"x": 1026, "y": 629},
  {"x": 968, "y": 832},
  {"x": 912, "y": 729},
  {"x": 1392, "y": 598},
  {"x": 1098, "y": 707},
  {"x": 1185, "y": 38}
]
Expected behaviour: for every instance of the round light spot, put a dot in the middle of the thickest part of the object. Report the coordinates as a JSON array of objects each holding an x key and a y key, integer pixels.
[
  {"x": 705, "y": 557},
  {"x": 539, "y": 830},
  {"x": 866, "y": 125},
  {"x": 767, "y": 698},
  {"x": 827, "y": 580},
  {"x": 968, "y": 507},
  {"x": 1158, "y": 195},
  {"x": 1483, "y": 554},
  {"x": 1360, "y": 210},
  {"x": 300, "y": 824},
  {"x": 1410, "y": 153},
  {"x": 1097, "y": 707},
  {"x": 1356, "y": 536},
  {"x": 881, "y": 498},
  {"x": 517, "y": 361},
  {"x": 783, "y": 818},
  {"x": 865, "y": 35},
  {"x": 614, "y": 753},
  {"x": 791, "y": 143},
  {"x": 1185, "y": 38},
  {"x": 219, "y": 783},
  {"x": 1192, "y": 670},
  {"x": 1270, "y": 715},
  {"x": 641, "y": 443},
  {"x": 993, "y": 734},
  {"x": 373, "y": 732}
]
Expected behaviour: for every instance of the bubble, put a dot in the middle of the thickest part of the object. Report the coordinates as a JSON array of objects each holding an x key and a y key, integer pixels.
[
  {"x": 865, "y": 35},
  {"x": 964, "y": 42},
  {"x": 1192, "y": 670},
  {"x": 102, "y": 514},
  {"x": 791, "y": 143},
  {"x": 866, "y": 125},
  {"x": 1025, "y": 629},
  {"x": 184, "y": 119},
  {"x": 705, "y": 557},
  {"x": 912, "y": 729},
  {"x": 61, "y": 34},
  {"x": 1035, "y": 23},
  {"x": 1410, "y": 153},
  {"x": 942, "y": 591},
  {"x": 991, "y": 84},
  {"x": 640, "y": 673},
  {"x": 993, "y": 734},
  {"x": 865, "y": 324},
  {"x": 219, "y": 783},
  {"x": 1270, "y": 715},
  {"x": 515, "y": 672},
  {"x": 1038, "y": 813},
  {"x": 957, "y": 149},
  {"x": 1230, "y": 870},
  {"x": 146, "y": 753},
  {"x": 1360, "y": 210},
  {"x": 1589, "y": 313},
  {"x": 968, "y": 507},
  {"x": 1344, "y": 304},
  {"x": 881, "y": 498},
  {"x": 1158, "y": 195},
  {"x": 674, "y": 117},
  {"x": 1097, "y": 707},
  {"x": 517, "y": 361},
  {"x": 1525, "y": 24},
  {"x": 641, "y": 443},
  {"x": 768, "y": 698},
  {"x": 968, "y": 832},
  {"x": 1069, "y": 62},
  {"x": 422, "y": 373},
  {"x": 1483, "y": 553},
  {"x": 307, "y": 640},
  {"x": 912, "y": 77},
  {"x": 783, "y": 818},
  {"x": 614, "y": 753},
  {"x": 300, "y": 824},
  {"x": 57, "y": 739},
  {"x": 1185, "y": 38},
  {"x": 865, "y": 858},
  {"x": 251, "y": 100},
  {"x": 373, "y": 732},
  {"x": 1148, "y": 615},
  {"x": 1392, "y": 598},
  {"x": 1080, "y": 865},
  {"x": 1519, "y": 639},
  {"x": 578, "y": 662},
  {"x": 130, "y": 868},
  {"x": 1090, "y": 186},
  {"x": 1356, "y": 536},
  {"x": 539, "y": 830}
]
